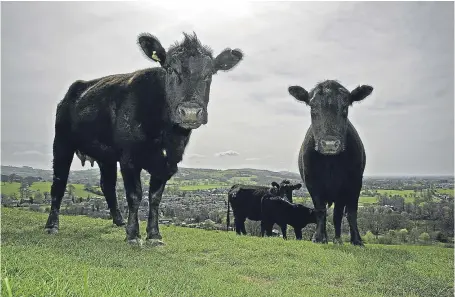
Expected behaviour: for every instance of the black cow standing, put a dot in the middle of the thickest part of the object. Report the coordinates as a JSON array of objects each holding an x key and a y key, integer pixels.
[
  {"x": 246, "y": 201},
  {"x": 332, "y": 157},
  {"x": 276, "y": 210},
  {"x": 143, "y": 120}
]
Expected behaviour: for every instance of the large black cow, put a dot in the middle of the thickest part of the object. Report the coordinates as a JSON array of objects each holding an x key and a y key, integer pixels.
[
  {"x": 142, "y": 119},
  {"x": 246, "y": 201},
  {"x": 332, "y": 157},
  {"x": 276, "y": 210}
]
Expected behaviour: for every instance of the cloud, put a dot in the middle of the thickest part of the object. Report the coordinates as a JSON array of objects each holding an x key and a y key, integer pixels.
[{"x": 229, "y": 153}]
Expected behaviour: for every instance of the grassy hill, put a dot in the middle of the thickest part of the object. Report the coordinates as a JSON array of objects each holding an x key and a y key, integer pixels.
[
  {"x": 89, "y": 258},
  {"x": 10, "y": 188}
]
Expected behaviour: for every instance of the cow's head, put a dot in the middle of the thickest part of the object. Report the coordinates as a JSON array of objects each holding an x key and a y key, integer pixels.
[
  {"x": 329, "y": 102},
  {"x": 189, "y": 69},
  {"x": 284, "y": 189}
]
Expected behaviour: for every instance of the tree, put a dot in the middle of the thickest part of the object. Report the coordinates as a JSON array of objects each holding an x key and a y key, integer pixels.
[
  {"x": 369, "y": 237},
  {"x": 403, "y": 235},
  {"x": 23, "y": 189},
  {"x": 10, "y": 178},
  {"x": 71, "y": 189},
  {"x": 38, "y": 198},
  {"x": 424, "y": 237}
]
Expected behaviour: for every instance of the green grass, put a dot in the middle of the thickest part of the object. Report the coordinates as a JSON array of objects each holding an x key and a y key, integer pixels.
[
  {"x": 201, "y": 187},
  {"x": 89, "y": 258},
  {"x": 396, "y": 192},
  {"x": 446, "y": 191},
  {"x": 368, "y": 200},
  {"x": 10, "y": 188},
  {"x": 242, "y": 179}
]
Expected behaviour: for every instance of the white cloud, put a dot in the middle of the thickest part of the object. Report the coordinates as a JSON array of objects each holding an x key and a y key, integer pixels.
[{"x": 227, "y": 154}]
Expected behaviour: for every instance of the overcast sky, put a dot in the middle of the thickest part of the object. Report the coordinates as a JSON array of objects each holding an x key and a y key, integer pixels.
[{"x": 405, "y": 50}]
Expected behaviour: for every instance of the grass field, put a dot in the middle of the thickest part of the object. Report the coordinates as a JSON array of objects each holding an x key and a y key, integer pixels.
[
  {"x": 446, "y": 191},
  {"x": 10, "y": 188},
  {"x": 201, "y": 187},
  {"x": 368, "y": 200},
  {"x": 396, "y": 192},
  {"x": 89, "y": 258}
]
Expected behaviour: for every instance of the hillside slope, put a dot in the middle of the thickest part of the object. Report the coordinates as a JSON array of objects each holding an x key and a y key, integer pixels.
[{"x": 89, "y": 258}]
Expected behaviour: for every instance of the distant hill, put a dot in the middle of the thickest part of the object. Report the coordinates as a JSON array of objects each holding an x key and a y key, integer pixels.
[{"x": 184, "y": 175}]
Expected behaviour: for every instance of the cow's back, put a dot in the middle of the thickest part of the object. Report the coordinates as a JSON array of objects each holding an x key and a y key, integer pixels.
[{"x": 246, "y": 200}]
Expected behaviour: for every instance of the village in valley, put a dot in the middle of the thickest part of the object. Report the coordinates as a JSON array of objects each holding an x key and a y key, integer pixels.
[{"x": 392, "y": 210}]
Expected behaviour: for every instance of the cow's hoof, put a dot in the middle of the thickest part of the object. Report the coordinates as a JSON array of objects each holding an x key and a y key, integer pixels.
[
  {"x": 155, "y": 236},
  {"x": 119, "y": 223},
  {"x": 51, "y": 230},
  {"x": 322, "y": 240},
  {"x": 338, "y": 241},
  {"x": 135, "y": 242},
  {"x": 357, "y": 243},
  {"x": 117, "y": 218},
  {"x": 154, "y": 242}
]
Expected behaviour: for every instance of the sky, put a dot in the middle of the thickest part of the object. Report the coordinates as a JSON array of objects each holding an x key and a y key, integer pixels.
[{"x": 405, "y": 50}]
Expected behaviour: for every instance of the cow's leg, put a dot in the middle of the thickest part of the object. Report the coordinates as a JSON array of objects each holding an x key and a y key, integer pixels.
[
  {"x": 243, "y": 228},
  {"x": 239, "y": 222},
  {"x": 298, "y": 233},
  {"x": 320, "y": 235},
  {"x": 155, "y": 194},
  {"x": 284, "y": 231},
  {"x": 108, "y": 182},
  {"x": 269, "y": 229},
  {"x": 133, "y": 189},
  {"x": 63, "y": 156},
  {"x": 352, "y": 219},
  {"x": 337, "y": 219},
  {"x": 262, "y": 228}
]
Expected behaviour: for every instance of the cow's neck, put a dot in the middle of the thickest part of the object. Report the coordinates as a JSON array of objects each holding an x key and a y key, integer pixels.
[{"x": 174, "y": 142}]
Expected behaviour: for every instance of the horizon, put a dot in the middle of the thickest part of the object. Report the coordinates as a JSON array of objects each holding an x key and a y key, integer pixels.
[
  {"x": 249, "y": 168},
  {"x": 403, "y": 49}
]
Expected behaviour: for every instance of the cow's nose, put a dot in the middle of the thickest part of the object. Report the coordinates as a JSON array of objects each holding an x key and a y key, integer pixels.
[
  {"x": 190, "y": 114},
  {"x": 330, "y": 146},
  {"x": 331, "y": 143}
]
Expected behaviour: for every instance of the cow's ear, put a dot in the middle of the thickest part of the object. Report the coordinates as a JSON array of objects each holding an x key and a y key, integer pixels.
[
  {"x": 152, "y": 47},
  {"x": 299, "y": 93},
  {"x": 227, "y": 59},
  {"x": 297, "y": 186},
  {"x": 275, "y": 184},
  {"x": 361, "y": 92}
]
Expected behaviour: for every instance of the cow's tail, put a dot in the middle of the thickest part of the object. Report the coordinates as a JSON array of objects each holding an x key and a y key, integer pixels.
[{"x": 227, "y": 216}]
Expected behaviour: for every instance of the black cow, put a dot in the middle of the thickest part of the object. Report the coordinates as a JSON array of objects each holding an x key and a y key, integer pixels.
[
  {"x": 332, "y": 157},
  {"x": 276, "y": 210},
  {"x": 142, "y": 119},
  {"x": 246, "y": 201}
]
